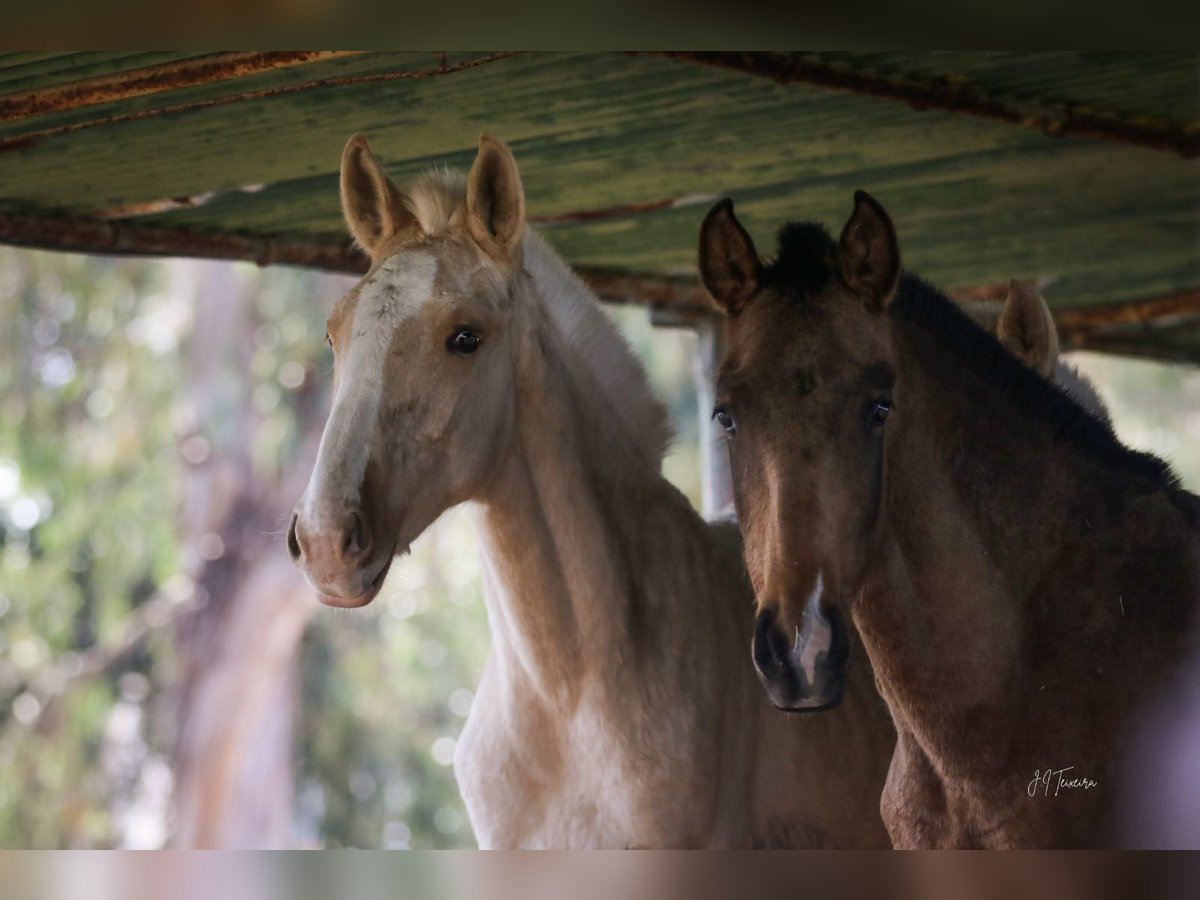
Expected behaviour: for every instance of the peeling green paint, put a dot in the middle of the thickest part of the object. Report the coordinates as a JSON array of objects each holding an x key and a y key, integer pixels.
[{"x": 976, "y": 201}]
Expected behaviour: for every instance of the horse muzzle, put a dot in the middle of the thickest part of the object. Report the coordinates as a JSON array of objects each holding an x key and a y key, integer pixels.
[
  {"x": 339, "y": 562},
  {"x": 805, "y": 671}
]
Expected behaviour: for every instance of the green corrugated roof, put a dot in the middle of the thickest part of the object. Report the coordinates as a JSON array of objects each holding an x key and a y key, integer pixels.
[{"x": 650, "y": 141}]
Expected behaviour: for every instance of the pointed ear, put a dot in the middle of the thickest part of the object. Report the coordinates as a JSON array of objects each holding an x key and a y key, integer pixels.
[
  {"x": 870, "y": 253},
  {"x": 373, "y": 206},
  {"x": 495, "y": 198},
  {"x": 729, "y": 264},
  {"x": 1027, "y": 330}
]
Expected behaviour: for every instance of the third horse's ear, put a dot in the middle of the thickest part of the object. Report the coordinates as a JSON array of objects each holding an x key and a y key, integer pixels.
[
  {"x": 1026, "y": 328},
  {"x": 869, "y": 252},
  {"x": 729, "y": 264}
]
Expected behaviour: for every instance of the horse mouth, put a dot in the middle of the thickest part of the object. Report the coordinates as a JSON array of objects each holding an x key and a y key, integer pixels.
[{"x": 361, "y": 600}]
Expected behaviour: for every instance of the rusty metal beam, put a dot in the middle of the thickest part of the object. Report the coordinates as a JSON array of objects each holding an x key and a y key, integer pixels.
[
  {"x": 1062, "y": 121},
  {"x": 141, "y": 82},
  {"x": 122, "y": 238},
  {"x": 680, "y": 295},
  {"x": 136, "y": 239},
  {"x": 26, "y": 138},
  {"x": 1144, "y": 347},
  {"x": 1110, "y": 316},
  {"x": 673, "y": 300}
]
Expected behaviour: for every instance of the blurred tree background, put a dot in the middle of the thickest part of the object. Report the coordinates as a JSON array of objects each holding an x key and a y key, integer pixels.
[{"x": 165, "y": 676}]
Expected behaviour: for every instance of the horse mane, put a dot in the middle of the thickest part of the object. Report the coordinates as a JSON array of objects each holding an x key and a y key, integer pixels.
[
  {"x": 1081, "y": 389},
  {"x": 807, "y": 260},
  {"x": 977, "y": 350},
  {"x": 438, "y": 201},
  {"x": 600, "y": 347}
]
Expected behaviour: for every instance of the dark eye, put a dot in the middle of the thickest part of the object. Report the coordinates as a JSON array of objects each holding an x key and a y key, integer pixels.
[
  {"x": 329, "y": 340},
  {"x": 725, "y": 420},
  {"x": 463, "y": 341},
  {"x": 878, "y": 413}
]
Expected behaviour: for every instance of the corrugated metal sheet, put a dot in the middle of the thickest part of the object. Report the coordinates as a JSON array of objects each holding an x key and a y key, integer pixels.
[{"x": 652, "y": 141}]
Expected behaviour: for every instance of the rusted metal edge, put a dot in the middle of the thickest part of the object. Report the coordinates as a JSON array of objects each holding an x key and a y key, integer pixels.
[
  {"x": 1112, "y": 316},
  {"x": 198, "y": 70},
  {"x": 26, "y": 138},
  {"x": 679, "y": 295},
  {"x": 673, "y": 300},
  {"x": 1143, "y": 347},
  {"x": 125, "y": 239},
  {"x": 116, "y": 238},
  {"x": 1062, "y": 121}
]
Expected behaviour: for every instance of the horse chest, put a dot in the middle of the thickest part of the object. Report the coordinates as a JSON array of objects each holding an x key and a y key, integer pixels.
[
  {"x": 924, "y": 806},
  {"x": 533, "y": 779}
]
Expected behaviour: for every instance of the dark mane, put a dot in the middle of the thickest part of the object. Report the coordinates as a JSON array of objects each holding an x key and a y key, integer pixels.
[
  {"x": 804, "y": 262},
  {"x": 975, "y": 349}
]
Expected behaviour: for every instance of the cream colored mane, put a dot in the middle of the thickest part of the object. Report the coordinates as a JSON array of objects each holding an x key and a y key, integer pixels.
[{"x": 438, "y": 200}]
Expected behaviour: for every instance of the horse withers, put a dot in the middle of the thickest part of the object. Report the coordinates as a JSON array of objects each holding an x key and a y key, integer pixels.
[{"x": 1022, "y": 582}]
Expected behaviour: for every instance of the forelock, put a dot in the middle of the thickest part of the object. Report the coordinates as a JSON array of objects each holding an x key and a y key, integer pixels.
[
  {"x": 438, "y": 200},
  {"x": 805, "y": 261}
]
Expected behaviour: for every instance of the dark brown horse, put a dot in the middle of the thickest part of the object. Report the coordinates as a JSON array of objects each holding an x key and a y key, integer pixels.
[{"x": 1022, "y": 582}]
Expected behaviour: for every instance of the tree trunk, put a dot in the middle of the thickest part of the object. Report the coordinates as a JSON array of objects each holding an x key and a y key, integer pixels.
[{"x": 237, "y": 688}]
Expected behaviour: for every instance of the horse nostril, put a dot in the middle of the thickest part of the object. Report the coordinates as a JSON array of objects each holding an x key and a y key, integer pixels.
[
  {"x": 355, "y": 540},
  {"x": 770, "y": 646},
  {"x": 293, "y": 544}
]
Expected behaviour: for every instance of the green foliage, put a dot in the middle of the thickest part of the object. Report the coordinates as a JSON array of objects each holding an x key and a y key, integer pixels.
[
  {"x": 386, "y": 692},
  {"x": 87, "y": 465}
]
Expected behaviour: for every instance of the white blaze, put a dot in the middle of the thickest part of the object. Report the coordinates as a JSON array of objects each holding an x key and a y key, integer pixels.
[
  {"x": 816, "y": 635},
  {"x": 395, "y": 292}
]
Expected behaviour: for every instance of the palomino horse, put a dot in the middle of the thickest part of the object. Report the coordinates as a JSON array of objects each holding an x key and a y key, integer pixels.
[
  {"x": 617, "y": 706},
  {"x": 1022, "y": 582}
]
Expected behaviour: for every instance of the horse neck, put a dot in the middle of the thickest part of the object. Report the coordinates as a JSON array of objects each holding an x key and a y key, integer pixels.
[
  {"x": 561, "y": 521},
  {"x": 942, "y": 583},
  {"x": 1004, "y": 542}
]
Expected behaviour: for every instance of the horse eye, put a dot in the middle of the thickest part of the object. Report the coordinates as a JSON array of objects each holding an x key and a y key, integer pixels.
[
  {"x": 725, "y": 420},
  {"x": 463, "y": 341},
  {"x": 879, "y": 413}
]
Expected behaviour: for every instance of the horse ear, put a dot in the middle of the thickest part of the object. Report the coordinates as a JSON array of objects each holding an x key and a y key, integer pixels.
[
  {"x": 870, "y": 253},
  {"x": 729, "y": 264},
  {"x": 372, "y": 204},
  {"x": 495, "y": 198},
  {"x": 1026, "y": 328}
]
